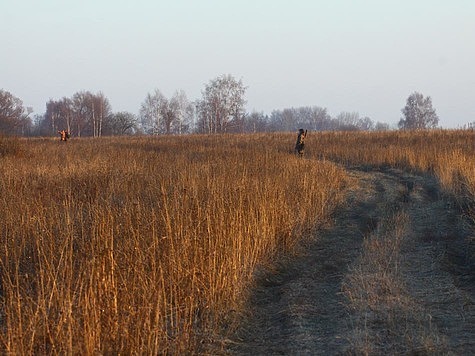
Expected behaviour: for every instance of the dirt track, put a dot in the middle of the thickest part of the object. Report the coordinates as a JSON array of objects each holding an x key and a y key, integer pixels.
[{"x": 394, "y": 274}]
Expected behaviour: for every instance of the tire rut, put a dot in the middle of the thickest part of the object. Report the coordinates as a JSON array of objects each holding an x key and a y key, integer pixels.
[
  {"x": 438, "y": 269},
  {"x": 300, "y": 308}
]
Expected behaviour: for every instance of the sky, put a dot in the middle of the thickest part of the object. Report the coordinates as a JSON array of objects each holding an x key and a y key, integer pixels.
[{"x": 364, "y": 56}]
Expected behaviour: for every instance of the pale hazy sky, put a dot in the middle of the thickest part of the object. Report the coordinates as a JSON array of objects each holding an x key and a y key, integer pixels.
[{"x": 364, "y": 56}]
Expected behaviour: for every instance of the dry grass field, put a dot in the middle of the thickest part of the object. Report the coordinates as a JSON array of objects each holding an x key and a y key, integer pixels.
[
  {"x": 150, "y": 245},
  {"x": 448, "y": 154},
  {"x": 394, "y": 271},
  {"x": 145, "y": 245}
]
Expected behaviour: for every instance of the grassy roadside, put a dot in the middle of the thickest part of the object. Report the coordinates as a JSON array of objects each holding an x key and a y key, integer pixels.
[{"x": 448, "y": 154}]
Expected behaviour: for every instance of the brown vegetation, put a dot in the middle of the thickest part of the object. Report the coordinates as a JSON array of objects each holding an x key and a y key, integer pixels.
[
  {"x": 145, "y": 245},
  {"x": 447, "y": 154},
  {"x": 394, "y": 274},
  {"x": 148, "y": 245},
  {"x": 9, "y": 146}
]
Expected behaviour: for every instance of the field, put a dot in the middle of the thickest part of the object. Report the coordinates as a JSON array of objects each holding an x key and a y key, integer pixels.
[{"x": 158, "y": 245}]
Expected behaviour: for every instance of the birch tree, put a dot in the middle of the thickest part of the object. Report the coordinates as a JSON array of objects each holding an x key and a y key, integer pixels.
[
  {"x": 89, "y": 112},
  {"x": 418, "y": 113},
  {"x": 160, "y": 115},
  {"x": 222, "y": 103},
  {"x": 59, "y": 115},
  {"x": 150, "y": 112}
]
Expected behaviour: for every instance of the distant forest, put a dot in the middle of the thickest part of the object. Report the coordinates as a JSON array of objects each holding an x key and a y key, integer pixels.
[
  {"x": 220, "y": 110},
  {"x": 86, "y": 114}
]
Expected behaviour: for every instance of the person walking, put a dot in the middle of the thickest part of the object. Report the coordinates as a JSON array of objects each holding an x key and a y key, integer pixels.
[{"x": 300, "y": 145}]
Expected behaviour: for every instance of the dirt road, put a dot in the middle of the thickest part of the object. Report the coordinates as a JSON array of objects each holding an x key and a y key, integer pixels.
[{"x": 394, "y": 274}]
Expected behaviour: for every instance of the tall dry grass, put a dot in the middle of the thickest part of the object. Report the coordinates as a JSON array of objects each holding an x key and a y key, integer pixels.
[
  {"x": 388, "y": 314},
  {"x": 145, "y": 245},
  {"x": 447, "y": 154}
]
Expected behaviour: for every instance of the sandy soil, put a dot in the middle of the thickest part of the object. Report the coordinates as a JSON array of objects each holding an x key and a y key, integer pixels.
[{"x": 393, "y": 274}]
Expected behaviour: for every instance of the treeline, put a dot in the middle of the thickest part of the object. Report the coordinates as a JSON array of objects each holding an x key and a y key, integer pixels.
[
  {"x": 317, "y": 119},
  {"x": 90, "y": 115},
  {"x": 83, "y": 114},
  {"x": 221, "y": 109}
]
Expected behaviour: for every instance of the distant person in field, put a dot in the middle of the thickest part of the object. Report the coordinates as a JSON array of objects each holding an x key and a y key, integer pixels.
[
  {"x": 64, "y": 135},
  {"x": 300, "y": 145}
]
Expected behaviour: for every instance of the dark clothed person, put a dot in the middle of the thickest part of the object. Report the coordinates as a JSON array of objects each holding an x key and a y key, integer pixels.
[{"x": 300, "y": 145}]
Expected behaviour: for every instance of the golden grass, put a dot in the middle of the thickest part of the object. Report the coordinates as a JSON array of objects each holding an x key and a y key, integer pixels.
[
  {"x": 449, "y": 154},
  {"x": 145, "y": 245}
]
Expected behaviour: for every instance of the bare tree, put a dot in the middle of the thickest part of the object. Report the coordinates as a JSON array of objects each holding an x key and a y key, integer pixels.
[
  {"x": 122, "y": 123},
  {"x": 313, "y": 117},
  {"x": 222, "y": 103},
  {"x": 255, "y": 122},
  {"x": 317, "y": 119},
  {"x": 348, "y": 121},
  {"x": 365, "y": 124},
  {"x": 182, "y": 111},
  {"x": 14, "y": 118},
  {"x": 101, "y": 111},
  {"x": 290, "y": 119},
  {"x": 59, "y": 115},
  {"x": 81, "y": 110},
  {"x": 89, "y": 112},
  {"x": 151, "y": 112},
  {"x": 418, "y": 113},
  {"x": 160, "y": 115}
]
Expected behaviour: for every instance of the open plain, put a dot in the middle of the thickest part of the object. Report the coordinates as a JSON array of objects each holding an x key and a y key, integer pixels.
[{"x": 231, "y": 244}]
